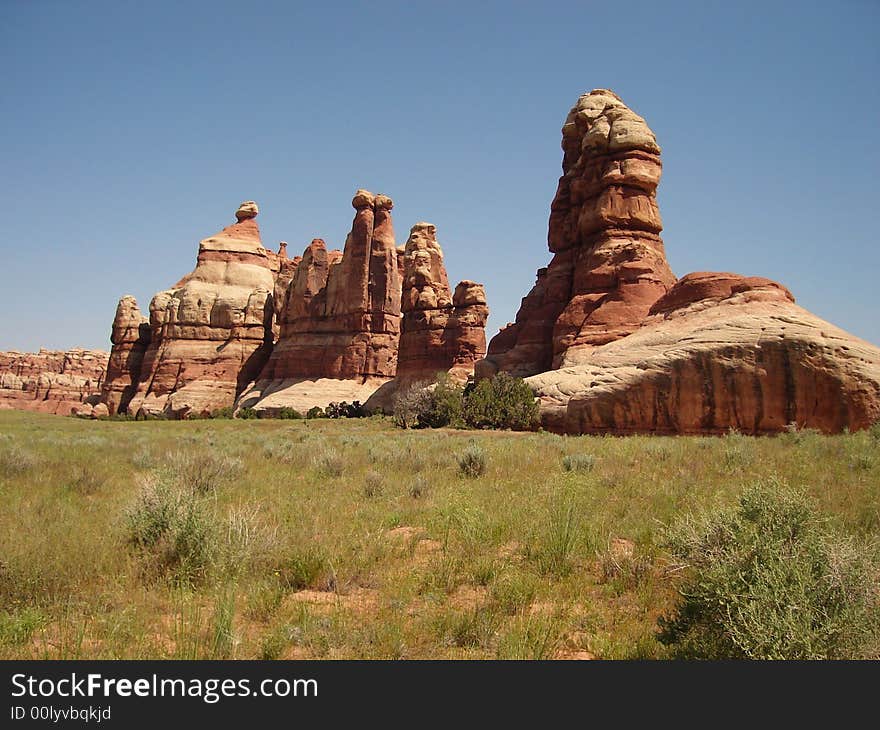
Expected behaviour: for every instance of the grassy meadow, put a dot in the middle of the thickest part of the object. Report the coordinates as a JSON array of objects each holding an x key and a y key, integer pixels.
[{"x": 354, "y": 539}]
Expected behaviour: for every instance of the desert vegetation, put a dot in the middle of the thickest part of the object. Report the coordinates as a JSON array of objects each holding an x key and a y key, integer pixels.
[
  {"x": 500, "y": 402},
  {"x": 353, "y": 538}
]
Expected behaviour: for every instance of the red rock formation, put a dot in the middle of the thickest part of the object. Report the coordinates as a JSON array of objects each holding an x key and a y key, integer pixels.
[
  {"x": 341, "y": 319},
  {"x": 441, "y": 332},
  {"x": 130, "y": 336},
  {"x": 283, "y": 277},
  {"x": 625, "y": 351},
  {"x": 51, "y": 381},
  {"x": 719, "y": 351},
  {"x": 212, "y": 333},
  {"x": 609, "y": 264}
]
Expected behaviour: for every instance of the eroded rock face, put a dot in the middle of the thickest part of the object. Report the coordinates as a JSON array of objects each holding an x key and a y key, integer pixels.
[
  {"x": 441, "y": 331},
  {"x": 130, "y": 337},
  {"x": 211, "y": 333},
  {"x": 620, "y": 347},
  {"x": 51, "y": 381},
  {"x": 609, "y": 264},
  {"x": 341, "y": 317},
  {"x": 719, "y": 351}
]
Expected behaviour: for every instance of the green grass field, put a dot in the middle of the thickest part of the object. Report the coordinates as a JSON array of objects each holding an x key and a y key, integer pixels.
[{"x": 353, "y": 539}]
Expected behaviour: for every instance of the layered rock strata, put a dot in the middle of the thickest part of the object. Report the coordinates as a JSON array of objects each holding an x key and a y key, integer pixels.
[
  {"x": 609, "y": 264},
  {"x": 211, "y": 334},
  {"x": 130, "y": 336},
  {"x": 51, "y": 381},
  {"x": 340, "y": 324},
  {"x": 441, "y": 331},
  {"x": 719, "y": 351},
  {"x": 620, "y": 347}
]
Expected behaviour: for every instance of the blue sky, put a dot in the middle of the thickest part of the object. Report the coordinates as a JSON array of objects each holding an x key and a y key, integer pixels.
[{"x": 132, "y": 130}]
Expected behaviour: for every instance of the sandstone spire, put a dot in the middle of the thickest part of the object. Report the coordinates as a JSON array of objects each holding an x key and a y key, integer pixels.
[{"x": 609, "y": 265}]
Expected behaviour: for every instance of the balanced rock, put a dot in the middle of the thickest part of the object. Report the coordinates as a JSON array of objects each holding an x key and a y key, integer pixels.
[
  {"x": 609, "y": 264},
  {"x": 441, "y": 331},
  {"x": 51, "y": 381},
  {"x": 341, "y": 318},
  {"x": 129, "y": 336},
  {"x": 212, "y": 332}
]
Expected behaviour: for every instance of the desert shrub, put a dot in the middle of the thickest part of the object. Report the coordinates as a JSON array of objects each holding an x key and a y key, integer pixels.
[
  {"x": 862, "y": 462},
  {"x": 373, "y": 484},
  {"x": 472, "y": 461},
  {"x": 329, "y": 463},
  {"x": 766, "y": 580},
  {"x": 222, "y": 631},
  {"x": 286, "y": 452},
  {"x": 557, "y": 545},
  {"x": 530, "y": 637},
  {"x": 315, "y": 412},
  {"x": 225, "y": 412},
  {"x": 875, "y": 431},
  {"x": 411, "y": 405},
  {"x": 475, "y": 628},
  {"x": 501, "y": 402},
  {"x": 172, "y": 527},
  {"x": 796, "y": 434},
  {"x": 15, "y": 461},
  {"x": 624, "y": 569},
  {"x": 201, "y": 470},
  {"x": 345, "y": 410},
  {"x": 446, "y": 405},
  {"x": 307, "y": 568},
  {"x": 514, "y": 592},
  {"x": 247, "y": 413},
  {"x": 418, "y": 488},
  {"x": 288, "y": 414},
  {"x": 265, "y": 598},
  {"x": 249, "y": 541},
  {"x": 17, "y": 627},
  {"x": 143, "y": 458},
  {"x": 578, "y": 462},
  {"x": 86, "y": 478},
  {"x": 422, "y": 405}
]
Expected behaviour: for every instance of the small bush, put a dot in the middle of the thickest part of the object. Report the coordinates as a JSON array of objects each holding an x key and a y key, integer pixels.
[
  {"x": 15, "y": 461},
  {"x": 172, "y": 526},
  {"x": 16, "y": 628},
  {"x": 307, "y": 568},
  {"x": 419, "y": 487},
  {"x": 289, "y": 414},
  {"x": 225, "y": 412},
  {"x": 766, "y": 580},
  {"x": 329, "y": 464},
  {"x": 373, "y": 484},
  {"x": 345, "y": 410},
  {"x": 558, "y": 544},
  {"x": 86, "y": 479},
  {"x": 423, "y": 405},
  {"x": 578, "y": 462},
  {"x": 501, "y": 402},
  {"x": 247, "y": 413},
  {"x": 315, "y": 412},
  {"x": 514, "y": 592},
  {"x": 222, "y": 631},
  {"x": 472, "y": 461},
  {"x": 201, "y": 470},
  {"x": 411, "y": 406},
  {"x": 447, "y": 404},
  {"x": 531, "y": 637},
  {"x": 875, "y": 431}
]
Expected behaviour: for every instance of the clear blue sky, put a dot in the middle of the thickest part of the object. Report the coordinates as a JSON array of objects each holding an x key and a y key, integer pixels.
[{"x": 131, "y": 130}]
